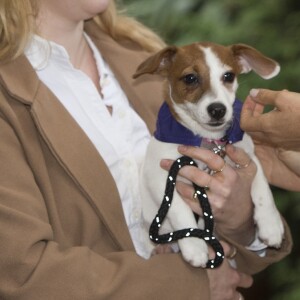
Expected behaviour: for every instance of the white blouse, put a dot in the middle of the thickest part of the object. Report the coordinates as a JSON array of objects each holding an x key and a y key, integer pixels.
[{"x": 121, "y": 137}]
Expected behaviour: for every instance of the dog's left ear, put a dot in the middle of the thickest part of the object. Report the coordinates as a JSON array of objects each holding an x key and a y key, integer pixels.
[
  {"x": 158, "y": 63},
  {"x": 251, "y": 59}
]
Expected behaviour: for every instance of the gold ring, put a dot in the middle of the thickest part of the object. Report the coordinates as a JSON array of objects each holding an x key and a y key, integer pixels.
[
  {"x": 243, "y": 166},
  {"x": 218, "y": 171},
  {"x": 195, "y": 197},
  {"x": 207, "y": 186},
  {"x": 233, "y": 253}
]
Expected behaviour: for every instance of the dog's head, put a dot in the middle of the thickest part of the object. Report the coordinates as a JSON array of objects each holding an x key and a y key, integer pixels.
[{"x": 202, "y": 81}]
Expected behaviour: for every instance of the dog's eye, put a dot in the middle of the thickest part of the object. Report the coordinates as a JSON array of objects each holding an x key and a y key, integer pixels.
[
  {"x": 190, "y": 79},
  {"x": 228, "y": 77}
]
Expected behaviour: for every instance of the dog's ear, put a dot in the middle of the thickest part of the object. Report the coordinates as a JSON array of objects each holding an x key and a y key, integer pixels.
[
  {"x": 158, "y": 63},
  {"x": 251, "y": 59}
]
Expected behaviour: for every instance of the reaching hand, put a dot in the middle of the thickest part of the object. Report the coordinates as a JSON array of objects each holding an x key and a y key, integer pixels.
[{"x": 279, "y": 127}]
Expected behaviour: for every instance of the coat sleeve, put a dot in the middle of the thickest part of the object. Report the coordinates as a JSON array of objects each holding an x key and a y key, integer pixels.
[
  {"x": 34, "y": 266},
  {"x": 250, "y": 262}
]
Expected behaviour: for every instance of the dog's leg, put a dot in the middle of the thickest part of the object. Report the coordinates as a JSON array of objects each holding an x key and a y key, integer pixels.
[
  {"x": 194, "y": 250},
  {"x": 180, "y": 215},
  {"x": 266, "y": 215}
]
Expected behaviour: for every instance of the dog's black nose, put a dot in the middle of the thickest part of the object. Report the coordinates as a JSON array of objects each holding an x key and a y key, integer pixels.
[{"x": 216, "y": 110}]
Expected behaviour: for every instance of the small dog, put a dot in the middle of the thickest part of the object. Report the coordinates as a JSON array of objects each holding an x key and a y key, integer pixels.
[{"x": 200, "y": 88}]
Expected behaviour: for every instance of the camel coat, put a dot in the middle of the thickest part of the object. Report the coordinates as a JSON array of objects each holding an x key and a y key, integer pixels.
[{"x": 63, "y": 233}]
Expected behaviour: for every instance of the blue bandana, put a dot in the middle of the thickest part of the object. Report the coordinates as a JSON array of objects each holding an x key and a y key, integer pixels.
[{"x": 168, "y": 130}]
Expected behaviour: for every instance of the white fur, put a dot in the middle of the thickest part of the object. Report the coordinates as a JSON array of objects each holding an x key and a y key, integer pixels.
[{"x": 153, "y": 177}]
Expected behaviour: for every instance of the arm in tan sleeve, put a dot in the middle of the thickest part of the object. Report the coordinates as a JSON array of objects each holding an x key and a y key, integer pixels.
[
  {"x": 249, "y": 262},
  {"x": 34, "y": 266}
]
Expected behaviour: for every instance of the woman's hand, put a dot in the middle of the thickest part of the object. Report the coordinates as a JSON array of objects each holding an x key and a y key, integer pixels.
[
  {"x": 225, "y": 280},
  {"x": 279, "y": 127},
  {"x": 228, "y": 193}
]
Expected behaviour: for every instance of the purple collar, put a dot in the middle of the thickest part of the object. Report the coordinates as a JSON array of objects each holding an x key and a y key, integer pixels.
[{"x": 168, "y": 130}]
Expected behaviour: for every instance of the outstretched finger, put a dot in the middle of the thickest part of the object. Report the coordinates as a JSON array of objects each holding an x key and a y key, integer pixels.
[
  {"x": 281, "y": 100},
  {"x": 264, "y": 96}
]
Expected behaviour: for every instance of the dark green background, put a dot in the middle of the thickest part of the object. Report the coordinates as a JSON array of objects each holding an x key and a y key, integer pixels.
[{"x": 271, "y": 26}]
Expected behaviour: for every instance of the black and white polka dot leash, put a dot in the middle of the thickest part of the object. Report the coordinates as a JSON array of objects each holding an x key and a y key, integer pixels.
[{"x": 206, "y": 234}]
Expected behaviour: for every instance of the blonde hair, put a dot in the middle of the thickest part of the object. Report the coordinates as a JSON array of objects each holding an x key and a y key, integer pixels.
[
  {"x": 119, "y": 26},
  {"x": 17, "y": 24}
]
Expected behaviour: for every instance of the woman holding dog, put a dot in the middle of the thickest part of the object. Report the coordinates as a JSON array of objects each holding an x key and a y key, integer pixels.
[{"x": 70, "y": 221}]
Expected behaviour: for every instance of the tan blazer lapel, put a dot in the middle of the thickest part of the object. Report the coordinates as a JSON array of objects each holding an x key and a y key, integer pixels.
[{"x": 70, "y": 145}]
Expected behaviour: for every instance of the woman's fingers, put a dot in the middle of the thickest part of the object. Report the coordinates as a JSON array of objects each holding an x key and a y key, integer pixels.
[
  {"x": 230, "y": 252},
  {"x": 213, "y": 161},
  {"x": 264, "y": 96},
  {"x": 246, "y": 280},
  {"x": 241, "y": 159},
  {"x": 193, "y": 174}
]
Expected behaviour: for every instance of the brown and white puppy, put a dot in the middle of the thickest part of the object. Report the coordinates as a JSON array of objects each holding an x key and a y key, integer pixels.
[{"x": 200, "y": 90}]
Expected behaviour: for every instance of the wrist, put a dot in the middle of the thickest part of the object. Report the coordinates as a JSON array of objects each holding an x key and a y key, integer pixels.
[{"x": 244, "y": 234}]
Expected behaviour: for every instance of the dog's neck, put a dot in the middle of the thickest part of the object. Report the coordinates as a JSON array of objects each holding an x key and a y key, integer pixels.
[{"x": 169, "y": 130}]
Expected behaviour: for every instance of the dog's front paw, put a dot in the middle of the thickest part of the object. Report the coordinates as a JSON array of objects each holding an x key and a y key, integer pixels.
[
  {"x": 270, "y": 229},
  {"x": 194, "y": 251}
]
